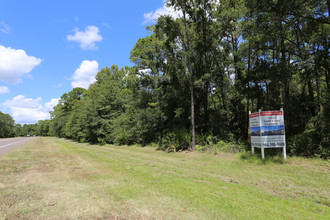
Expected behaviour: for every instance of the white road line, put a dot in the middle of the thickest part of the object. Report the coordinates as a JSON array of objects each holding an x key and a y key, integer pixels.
[{"x": 11, "y": 144}]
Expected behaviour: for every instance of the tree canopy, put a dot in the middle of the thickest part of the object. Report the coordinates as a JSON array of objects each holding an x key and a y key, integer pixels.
[
  {"x": 7, "y": 125},
  {"x": 196, "y": 78}
]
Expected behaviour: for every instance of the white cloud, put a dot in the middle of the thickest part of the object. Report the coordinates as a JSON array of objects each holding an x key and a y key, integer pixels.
[
  {"x": 152, "y": 16},
  {"x": 14, "y": 64},
  {"x": 50, "y": 105},
  {"x": 87, "y": 38},
  {"x": 4, "y": 27},
  {"x": 27, "y": 111},
  {"x": 85, "y": 74},
  {"x": 4, "y": 90}
]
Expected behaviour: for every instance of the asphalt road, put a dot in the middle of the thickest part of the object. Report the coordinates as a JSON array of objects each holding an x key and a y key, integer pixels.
[{"x": 9, "y": 144}]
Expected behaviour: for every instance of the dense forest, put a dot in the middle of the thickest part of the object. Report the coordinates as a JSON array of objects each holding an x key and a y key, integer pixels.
[{"x": 196, "y": 78}]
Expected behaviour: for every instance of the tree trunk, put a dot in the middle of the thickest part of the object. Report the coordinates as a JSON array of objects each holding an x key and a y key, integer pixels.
[
  {"x": 319, "y": 92},
  {"x": 191, "y": 81},
  {"x": 311, "y": 96}
]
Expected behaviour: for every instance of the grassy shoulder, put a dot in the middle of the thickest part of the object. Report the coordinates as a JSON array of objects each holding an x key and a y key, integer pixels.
[{"x": 51, "y": 178}]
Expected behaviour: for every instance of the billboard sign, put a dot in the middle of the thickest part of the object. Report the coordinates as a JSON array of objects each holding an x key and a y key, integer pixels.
[
  {"x": 255, "y": 130},
  {"x": 272, "y": 129},
  {"x": 267, "y": 129}
]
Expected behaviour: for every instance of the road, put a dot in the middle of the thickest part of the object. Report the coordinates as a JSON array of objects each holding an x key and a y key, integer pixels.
[{"x": 9, "y": 144}]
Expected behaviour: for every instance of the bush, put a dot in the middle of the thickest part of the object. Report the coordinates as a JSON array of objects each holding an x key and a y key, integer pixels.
[
  {"x": 219, "y": 146},
  {"x": 314, "y": 141},
  {"x": 101, "y": 141},
  {"x": 178, "y": 139}
]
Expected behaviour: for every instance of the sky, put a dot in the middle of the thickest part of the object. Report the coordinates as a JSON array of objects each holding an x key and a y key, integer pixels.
[{"x": 49, "y": 47}]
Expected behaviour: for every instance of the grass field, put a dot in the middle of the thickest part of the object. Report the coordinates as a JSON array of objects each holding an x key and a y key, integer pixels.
[{"x": 50, "y": 178}]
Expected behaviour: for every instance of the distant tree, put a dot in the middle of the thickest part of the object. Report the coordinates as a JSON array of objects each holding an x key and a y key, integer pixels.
[
  {"x": 43, "y": 128},
  {"x": 61, "y": 113},
  {"x": 7, "y": 125}
]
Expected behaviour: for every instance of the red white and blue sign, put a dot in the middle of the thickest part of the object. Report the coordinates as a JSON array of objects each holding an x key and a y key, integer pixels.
[{"x": 267, "y": 129}]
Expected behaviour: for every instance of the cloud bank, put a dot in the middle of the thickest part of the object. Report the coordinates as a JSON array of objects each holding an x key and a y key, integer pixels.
[
  {"x": 85, "y": 74},
  {"x": 28, "y": 111},
  {"x": 14, "y": 64},
  {"x": 4, "y": 90}
]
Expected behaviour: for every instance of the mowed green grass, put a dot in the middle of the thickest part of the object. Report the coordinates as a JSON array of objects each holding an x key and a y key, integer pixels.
[{"x": 50, "y": 178}]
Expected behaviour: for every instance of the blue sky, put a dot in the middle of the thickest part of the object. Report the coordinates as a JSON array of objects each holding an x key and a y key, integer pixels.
[{"x": 48, "y": 47}]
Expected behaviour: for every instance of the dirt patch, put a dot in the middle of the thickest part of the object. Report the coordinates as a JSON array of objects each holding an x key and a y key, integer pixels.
[
  {"x": 186, "y": 176},
  {"x": 2, "y": 186},
  {"x": 44, "y": 168},
  {"x": 275, "y": 192},
  {"x": 201, "y": 181},
  {"x": 76, "y": 168},
  {"x": 322, "y": 203},
  {"x": 228, "y": 180}
]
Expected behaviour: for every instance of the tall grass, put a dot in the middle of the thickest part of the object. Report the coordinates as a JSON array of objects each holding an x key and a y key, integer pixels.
[{"x": 51, "y": 178}]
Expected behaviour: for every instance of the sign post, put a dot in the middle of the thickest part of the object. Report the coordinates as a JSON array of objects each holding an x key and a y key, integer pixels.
[
  {"x": 284, "y": 147},
  {"x": 267, "y": 130}
]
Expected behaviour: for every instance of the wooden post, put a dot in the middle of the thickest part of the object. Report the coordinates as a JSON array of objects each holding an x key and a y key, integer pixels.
[
  {"x": 252, "y": 148},
  {"x": 262, "y": 148},
  {"x": 284, "y": 147}
]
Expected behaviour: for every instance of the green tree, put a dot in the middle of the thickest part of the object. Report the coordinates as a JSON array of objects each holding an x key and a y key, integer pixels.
[
  {"x": 7, "y": 125},
  {"x": 43, "y": 128},
  {"x": 61, "y": 113},
  {"x": 197, "y": 77}
]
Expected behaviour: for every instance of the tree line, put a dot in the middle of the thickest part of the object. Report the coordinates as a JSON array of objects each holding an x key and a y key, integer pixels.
[
  {"x": 196, "y": 78},
  {"x": 8, "y": 128}
]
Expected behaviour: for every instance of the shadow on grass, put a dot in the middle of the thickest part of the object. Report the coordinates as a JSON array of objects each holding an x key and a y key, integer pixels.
[{"x": 256, "y": 158}]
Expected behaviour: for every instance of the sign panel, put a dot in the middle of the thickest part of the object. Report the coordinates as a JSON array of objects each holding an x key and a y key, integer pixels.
[
  {"x": 255, "y": 129},
  {"x": 272, "y": 129},
  {"x": 267, "y": 129}
]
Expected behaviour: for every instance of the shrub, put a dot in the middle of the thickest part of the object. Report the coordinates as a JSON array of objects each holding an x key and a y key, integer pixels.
[
  {"x": 101, "y": 141},
  {"x": 219, "y": 146},
  {"x": 314, "y": 141},
  {"x": 178, "y": 139}
]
